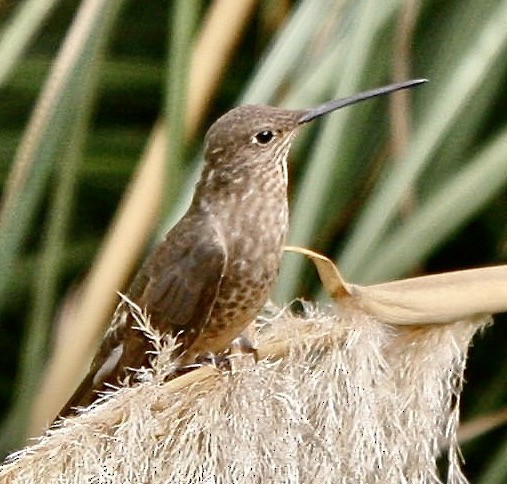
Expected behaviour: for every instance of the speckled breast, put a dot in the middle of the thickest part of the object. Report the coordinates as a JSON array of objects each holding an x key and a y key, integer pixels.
[{"x": 254, "y": 229}]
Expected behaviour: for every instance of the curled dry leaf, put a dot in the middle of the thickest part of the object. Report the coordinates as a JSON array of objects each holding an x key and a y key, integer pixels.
[{"x": 439, "y": 298}]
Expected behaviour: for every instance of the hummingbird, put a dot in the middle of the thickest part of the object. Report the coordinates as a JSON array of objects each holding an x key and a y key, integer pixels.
[{"x": 212, "y": 273}]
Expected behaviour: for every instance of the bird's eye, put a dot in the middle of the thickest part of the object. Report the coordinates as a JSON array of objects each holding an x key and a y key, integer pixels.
[{"x": 264, "y": 137}]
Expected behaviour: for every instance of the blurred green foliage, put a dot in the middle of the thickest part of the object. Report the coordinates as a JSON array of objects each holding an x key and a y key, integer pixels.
[{"x": 347, "y": 184}]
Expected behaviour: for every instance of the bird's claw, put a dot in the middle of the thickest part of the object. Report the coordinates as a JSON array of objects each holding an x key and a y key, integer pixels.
[
  {"x": 243, "y": 346},
  {"x": 224, "y": 361},
  {"x": 220, "y": 361}
]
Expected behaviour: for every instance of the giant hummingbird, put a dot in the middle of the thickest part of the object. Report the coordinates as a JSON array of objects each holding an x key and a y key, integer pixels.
[{"x": 213, "y": 271}]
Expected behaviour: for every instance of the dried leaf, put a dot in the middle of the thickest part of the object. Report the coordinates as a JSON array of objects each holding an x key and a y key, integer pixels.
[{"x": 439, "y": 298}]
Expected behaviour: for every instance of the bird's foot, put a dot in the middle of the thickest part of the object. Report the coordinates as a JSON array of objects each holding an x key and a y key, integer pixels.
[
  {"x": 220, "y": 361},
  {"x": 243, "y": 346},
  {"x": 240, "y": 353},
  {"x": 230, "y": 360},
  {"x": 208, "y": 358}
]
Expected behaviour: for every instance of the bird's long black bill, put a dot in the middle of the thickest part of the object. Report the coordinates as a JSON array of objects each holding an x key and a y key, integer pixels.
[{"x": 313, "y": 113}]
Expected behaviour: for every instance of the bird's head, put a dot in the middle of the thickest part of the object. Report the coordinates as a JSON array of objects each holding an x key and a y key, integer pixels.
[{"x": 254, "y": 137}]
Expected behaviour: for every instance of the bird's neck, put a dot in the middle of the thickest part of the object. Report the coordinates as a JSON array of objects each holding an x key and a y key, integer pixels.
[{"x": 229, "y": 187}]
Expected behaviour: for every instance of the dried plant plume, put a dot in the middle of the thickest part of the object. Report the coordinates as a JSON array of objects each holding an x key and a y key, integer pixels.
[{"x": 343, "y": 398}]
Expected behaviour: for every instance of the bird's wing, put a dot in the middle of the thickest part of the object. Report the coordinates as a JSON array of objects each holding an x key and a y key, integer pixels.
[
  {"x": 184, "y": 276},
  {"x": 177, "y": 286}
]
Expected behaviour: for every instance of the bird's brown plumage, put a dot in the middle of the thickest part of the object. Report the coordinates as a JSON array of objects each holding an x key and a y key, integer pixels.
[
  {"x": 177, "y": 286},
  {"x": 213, "y": 271}
]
